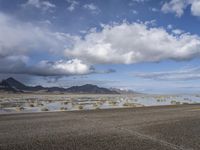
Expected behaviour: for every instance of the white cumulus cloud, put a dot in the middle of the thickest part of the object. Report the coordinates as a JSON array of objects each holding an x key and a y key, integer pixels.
[
  {"x": 61, "y": 67},
  {"x": 178, "y": 7},
  {"x": 128, "y": 43}
]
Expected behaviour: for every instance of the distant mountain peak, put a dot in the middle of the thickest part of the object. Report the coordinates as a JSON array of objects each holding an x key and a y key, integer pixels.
[
  {"x": 14, "y": 83},
  {"x": 10, "y": 84},
  {"x": 11, "y": 79}
]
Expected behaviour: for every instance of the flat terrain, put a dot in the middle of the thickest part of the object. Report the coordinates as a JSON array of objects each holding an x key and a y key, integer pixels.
[
  {"x": 30, "y": 102},
  {"x": 145, "y": 128}
]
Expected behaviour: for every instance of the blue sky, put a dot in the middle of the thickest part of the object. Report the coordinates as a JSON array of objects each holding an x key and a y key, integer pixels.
[{"x": 144, "y": 45}]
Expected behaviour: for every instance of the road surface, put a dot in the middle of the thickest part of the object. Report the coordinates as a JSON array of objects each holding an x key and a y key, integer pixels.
[{"x": 147, "y": 128}]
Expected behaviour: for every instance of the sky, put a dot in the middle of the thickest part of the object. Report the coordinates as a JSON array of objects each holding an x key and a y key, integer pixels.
[{"x": 144, "y": 45}]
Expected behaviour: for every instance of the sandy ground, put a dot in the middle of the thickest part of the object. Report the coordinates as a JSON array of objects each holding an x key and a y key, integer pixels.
[{"x": 145, "y": 128}]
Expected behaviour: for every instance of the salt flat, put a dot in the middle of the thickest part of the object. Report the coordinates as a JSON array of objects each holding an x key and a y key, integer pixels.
[{"x": 24, "y": 102}]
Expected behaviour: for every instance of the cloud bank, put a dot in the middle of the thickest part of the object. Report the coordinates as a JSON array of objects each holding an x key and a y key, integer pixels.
[
  {"x": 18, "y": 65},
  {"x": 117, "y": 43},
  {"x": 129, "y": 43},
  {"x": 26, "y": 40}
]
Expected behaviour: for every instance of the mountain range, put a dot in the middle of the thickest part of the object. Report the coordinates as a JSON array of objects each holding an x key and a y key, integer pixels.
[{"x": 12, "y": 85}]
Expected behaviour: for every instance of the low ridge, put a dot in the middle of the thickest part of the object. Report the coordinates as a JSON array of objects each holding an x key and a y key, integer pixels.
[{"x": 12, "y": 85}]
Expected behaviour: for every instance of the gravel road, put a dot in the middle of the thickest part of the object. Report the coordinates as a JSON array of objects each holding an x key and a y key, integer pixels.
[{"x": 146, "y": 128}]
